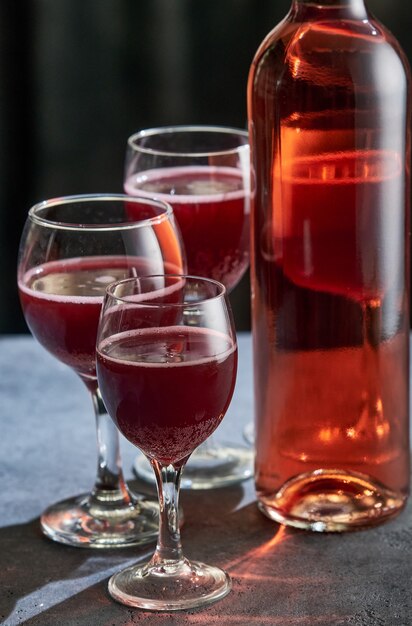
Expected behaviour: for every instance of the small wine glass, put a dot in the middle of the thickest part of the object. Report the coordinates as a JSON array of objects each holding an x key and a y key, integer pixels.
[
  {"x": 204, "y": 173},
  {"x": 71, "y": 248},
  {"x": 166, "y": 365}
]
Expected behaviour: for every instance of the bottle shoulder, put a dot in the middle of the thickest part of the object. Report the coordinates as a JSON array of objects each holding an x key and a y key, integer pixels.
[
  {"x": 332, "y": 51},
  {"x": 275, "y": 41}
]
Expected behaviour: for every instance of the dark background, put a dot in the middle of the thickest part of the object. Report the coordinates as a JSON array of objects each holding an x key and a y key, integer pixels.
[{"x": 77, "y": 77}]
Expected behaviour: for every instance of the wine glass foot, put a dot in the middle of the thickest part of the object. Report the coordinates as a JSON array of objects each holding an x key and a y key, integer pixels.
[
  {"x": 209, "y": 467},
  {"x": 74, "y": 523},
  {"x": 175, "y": 587}
]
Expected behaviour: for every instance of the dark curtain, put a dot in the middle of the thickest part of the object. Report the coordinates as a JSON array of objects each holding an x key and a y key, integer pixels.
[{"x": 77, "y": 77}]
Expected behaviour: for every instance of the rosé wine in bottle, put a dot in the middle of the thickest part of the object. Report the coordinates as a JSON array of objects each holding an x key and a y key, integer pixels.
[{"x": 328, "y": 100}]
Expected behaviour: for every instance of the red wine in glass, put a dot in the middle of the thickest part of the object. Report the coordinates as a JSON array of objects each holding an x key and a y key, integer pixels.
[
  {"x": 211, "y": 205},
  {"x": 62, "y": 299},
  {"x": 167, "y": 381},
  {"x": 167, "y": 388},
  {"x": 71, "y": 250}
]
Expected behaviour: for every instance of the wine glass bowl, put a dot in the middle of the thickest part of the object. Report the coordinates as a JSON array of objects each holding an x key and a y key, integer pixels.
[
  {"x": 71, "y": 249},
  {"x": 166, "y": 365},
  {"x": 204, "y": 173}
]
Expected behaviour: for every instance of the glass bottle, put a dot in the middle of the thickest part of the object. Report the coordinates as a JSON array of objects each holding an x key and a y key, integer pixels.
[{"x": 328, "y": 100}]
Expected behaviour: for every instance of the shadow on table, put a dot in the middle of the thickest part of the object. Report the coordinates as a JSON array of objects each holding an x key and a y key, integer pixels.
[
  {"x": 246, "y": 544},
  {"x": 281, "y": 577},
  {"x": 215, "y": 531},
  {"x": 25, "y": 557},
  {"x": 36, "y": 572}
]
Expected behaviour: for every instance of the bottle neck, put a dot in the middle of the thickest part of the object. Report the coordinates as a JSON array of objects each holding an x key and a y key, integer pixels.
[{"x": 351, "y": 9}]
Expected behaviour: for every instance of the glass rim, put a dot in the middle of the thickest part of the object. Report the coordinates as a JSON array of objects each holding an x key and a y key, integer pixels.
[
  {"x": 222, "y": 291},
  {"x": 133, "y": 140},
  {"x": 107, "y": 227}
]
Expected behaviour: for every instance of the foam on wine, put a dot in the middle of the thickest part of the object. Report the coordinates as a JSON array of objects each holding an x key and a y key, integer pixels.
[
  {"x": 70, "y": 280},
  {"x": 176, "y": 346},
  {"x": 183, "y": 183}
]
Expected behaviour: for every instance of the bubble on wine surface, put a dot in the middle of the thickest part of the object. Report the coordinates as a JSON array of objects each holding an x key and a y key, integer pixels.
[{"x": 190, "y": 186}]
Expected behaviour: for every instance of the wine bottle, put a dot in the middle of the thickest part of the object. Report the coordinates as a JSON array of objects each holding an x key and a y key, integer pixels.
[{"x": 329, "y": 123}]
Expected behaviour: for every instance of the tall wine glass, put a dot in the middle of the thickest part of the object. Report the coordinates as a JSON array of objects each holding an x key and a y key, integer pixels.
[
  {"x": 204, "y": 172},
  {"x": 71, "y": 248},
  {"x": 166, "y": 365}
]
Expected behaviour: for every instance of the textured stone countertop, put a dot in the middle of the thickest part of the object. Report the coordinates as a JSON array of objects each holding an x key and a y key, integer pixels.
[{"x": 280, "y": 576}]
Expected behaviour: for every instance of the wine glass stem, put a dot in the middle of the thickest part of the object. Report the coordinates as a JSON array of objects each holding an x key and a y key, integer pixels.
[
  {"x": 109, "y": 480},
  {"x": 169, "y": 547}
]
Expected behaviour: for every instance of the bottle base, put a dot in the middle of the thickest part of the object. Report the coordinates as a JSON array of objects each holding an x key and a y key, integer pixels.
[{"x": 332, "y": 501}]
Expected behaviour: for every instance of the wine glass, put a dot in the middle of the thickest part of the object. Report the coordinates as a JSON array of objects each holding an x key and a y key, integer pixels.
[
  {"x": 204, "y": 172},
  {"x": 166, "y": 365},
  {"x": 71, "y": 248}
]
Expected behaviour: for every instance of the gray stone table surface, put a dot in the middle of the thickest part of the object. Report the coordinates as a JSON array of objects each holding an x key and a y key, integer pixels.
[{"x": 280, "y": 576}]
